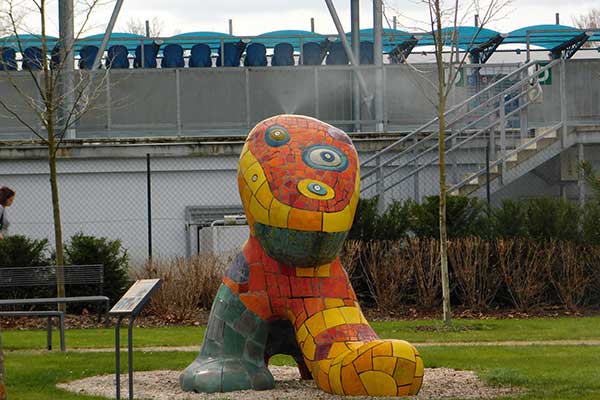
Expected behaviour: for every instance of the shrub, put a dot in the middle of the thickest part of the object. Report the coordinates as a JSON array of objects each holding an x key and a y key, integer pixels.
[
  {"x": 393, "y": 224},
  {"x": 590, "y": 224},
  {"x": 549, "y": 218},
  {"x": 570, "y": 274},
  {"x": 365, "y": 220},
  {"x": 510, "y": 219},
  {"x": 186, "y": 285},
  {"x": 464, "y": 217},
  {"x": 20, "y": 251},
  {"x": 391, "y": 273},
  {"x": 523, "y": 265},
  {"x": 474, "y": 271},
  {"x": 82, "y": 250}
]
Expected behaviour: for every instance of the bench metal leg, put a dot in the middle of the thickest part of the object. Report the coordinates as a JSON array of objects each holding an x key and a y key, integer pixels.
[
  {"x": 61, "y": 321},
  {"x": 49, "y": 329}
]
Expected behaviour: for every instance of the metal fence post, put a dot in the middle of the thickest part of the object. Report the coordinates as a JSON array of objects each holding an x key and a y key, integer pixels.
[
  {"x": 380, "y": 186},
  {"x": 563, "y": 102},
  {"x": 416, "y": 194},
  {"x": 149, "y": 195},
  {"x": 178, "y": 100}
]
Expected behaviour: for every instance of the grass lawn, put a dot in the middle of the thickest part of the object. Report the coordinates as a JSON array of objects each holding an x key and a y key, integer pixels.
[
  {"x": 547, "y": 372},
  {"x": 413, "y": 331}
]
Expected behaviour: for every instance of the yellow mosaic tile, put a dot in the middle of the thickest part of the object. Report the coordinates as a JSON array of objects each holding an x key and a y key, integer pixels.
[
  {"x": 340, "y": 221},
  {"x": 333, "y": 317},
  {"x": 351, "y": 382},
  {"x": 378, "y": 383},
  {"x": 403, "y": 349},
  {"x": 259, "y": 213},
  {"x": 316, "y": 324},
  {"x": 384, "y": 349},
  {"x": 364, "y": 362},
  {"x": 384, "y": 364},
  {"x": 278, "y": 214},
  {"x": 331, "y": 302},
  {"x": 405, "y": 372},
  {"x": 264, "y": 195},
  {"x": 351, "y": 314},
  {"x": 302, "y": 333},
  {"x": 308, "y": 348},
  {"x": 335, "y": 379},
  {"x": 324, "y": 271},
  {"x": 337, "y": 349}
]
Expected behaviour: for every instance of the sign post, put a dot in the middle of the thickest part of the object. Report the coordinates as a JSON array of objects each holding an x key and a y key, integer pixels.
[{"x": 130, "y": 305}]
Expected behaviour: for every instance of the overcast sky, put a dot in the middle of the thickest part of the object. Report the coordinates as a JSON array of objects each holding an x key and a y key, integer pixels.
[{"x": 259, "y": 16}]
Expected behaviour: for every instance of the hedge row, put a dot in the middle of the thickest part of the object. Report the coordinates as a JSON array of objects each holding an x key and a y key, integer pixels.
[
  {"x": 511, "y": 273},
  {"x": 536, "y": 219}
]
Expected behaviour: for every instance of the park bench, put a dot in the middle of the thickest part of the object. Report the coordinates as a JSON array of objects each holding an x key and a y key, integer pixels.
[{"x": 15, "y": 277}]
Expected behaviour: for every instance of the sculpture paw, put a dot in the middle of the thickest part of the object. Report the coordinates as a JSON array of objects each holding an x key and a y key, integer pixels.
[
  {"x": 225, "y": 375},
  {"x": 378, "y": 368}
]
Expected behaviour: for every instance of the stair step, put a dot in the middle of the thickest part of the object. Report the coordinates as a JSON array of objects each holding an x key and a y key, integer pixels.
[{"x": 545, "y": 131}]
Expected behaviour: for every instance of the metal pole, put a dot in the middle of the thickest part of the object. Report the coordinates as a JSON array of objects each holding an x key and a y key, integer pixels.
[
  {"x": 109, "y": 29},
  {"x": 353, "y": 61},
  {"x": 488, "y": 194},
  {"x": 563, "y": 102},
  {"x": 395, "y": 22},
  {"x": 312, "y": 24},
  {"x": 231, "y": 27},
  {"x": 118, "y": 358},
  {"x": 476, "y": 20},
  {"x": 557, "y": 18},
  {"x": 581, "y": 180},
  {"x": 147, "y": 28},
  {"x": 149, "y": 195},
  {"x": 130, "y": 355},
  {"x": 67, "y": 42},
  {"x": 355, "y": 24},
  {"x": 378, "y": 61}
]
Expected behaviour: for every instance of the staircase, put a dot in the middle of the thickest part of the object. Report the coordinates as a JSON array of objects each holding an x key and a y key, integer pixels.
[{"x": 481, "y": 133}]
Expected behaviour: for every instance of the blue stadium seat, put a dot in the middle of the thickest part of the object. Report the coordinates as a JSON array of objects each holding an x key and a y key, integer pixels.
[
  {"x": 283, "y": 54},
  {"x": 200, "y": 56},
  {"x": 117, "y": 57},
  {"x": 87, "y": 55},
  {"x": 311, "y": 53},
  {"x": 337, "y": 55},
  {"x": 150, "y": 53},
  {"x": 256, "y": 55},
  {"x": 32, "y": 58},
  {"x": 8, "y": 59},
  {"x": 55, "y": 61},
  {"x": 233, "y": 53},
  {"x": 366, "y": 52},
  {"x": 172, "y": 56}
]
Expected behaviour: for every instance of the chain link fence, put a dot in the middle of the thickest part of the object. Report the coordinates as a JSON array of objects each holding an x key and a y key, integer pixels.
[{"x": 159, "y": 206}]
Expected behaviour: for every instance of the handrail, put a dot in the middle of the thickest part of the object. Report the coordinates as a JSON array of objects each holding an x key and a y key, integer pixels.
[
  {"x": 448, "y": 151},
  {"x": 506, "y": 156},
  {"x": 514, "y": 87},
  {"x": 456, "y": 107}
]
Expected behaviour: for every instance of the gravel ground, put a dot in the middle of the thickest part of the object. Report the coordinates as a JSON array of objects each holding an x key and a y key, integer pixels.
[{"x": 439, "y": 383}]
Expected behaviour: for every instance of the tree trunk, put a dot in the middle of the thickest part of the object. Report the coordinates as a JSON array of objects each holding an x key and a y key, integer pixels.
[
  {"x": 441, "y": 109},
  {"x": 2, "y": 385},
  {"x": 58, "y": 242}
]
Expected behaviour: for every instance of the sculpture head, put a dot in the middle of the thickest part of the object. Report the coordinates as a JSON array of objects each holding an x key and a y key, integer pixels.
[{"x": 299, "y": 183}]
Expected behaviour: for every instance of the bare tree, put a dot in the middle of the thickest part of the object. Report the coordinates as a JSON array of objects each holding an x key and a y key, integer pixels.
[
  {"x": 138, "y": 27},
  {"x": 50, "y": 110},
  {"x": 443, "y": 14},
  {"x": 589, "y": 20}
]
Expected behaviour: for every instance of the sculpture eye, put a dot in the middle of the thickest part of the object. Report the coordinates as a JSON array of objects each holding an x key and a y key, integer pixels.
[
  {"x": 325, "y": 157},
  {"x": 276, "y": 136}
]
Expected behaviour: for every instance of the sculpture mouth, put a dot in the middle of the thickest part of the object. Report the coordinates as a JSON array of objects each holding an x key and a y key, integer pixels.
[{"x": 299, "y": 248}]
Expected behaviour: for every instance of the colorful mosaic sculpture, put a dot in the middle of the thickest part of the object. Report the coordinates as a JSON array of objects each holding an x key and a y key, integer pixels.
[{"x": 287, "y": 292}]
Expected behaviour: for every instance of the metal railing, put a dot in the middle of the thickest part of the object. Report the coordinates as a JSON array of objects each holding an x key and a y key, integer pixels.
[{"x": 478, "y": 117}]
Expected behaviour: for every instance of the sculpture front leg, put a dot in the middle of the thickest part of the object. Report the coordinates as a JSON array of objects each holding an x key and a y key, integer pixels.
[{"x": 232, "y": 354}]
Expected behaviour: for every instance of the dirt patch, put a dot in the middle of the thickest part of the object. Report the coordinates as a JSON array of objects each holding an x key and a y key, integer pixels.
[{"x": 438, "y": 383}]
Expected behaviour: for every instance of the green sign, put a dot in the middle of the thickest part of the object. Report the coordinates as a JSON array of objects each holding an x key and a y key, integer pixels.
[{"x": 544, "y": 77}]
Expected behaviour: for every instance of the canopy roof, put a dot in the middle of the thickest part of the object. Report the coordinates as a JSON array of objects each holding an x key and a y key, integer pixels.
[{"x": 468, "y": 37}]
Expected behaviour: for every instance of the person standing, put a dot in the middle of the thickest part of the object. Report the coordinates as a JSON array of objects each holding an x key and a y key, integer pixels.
[{"x": 7, "y": 197}]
